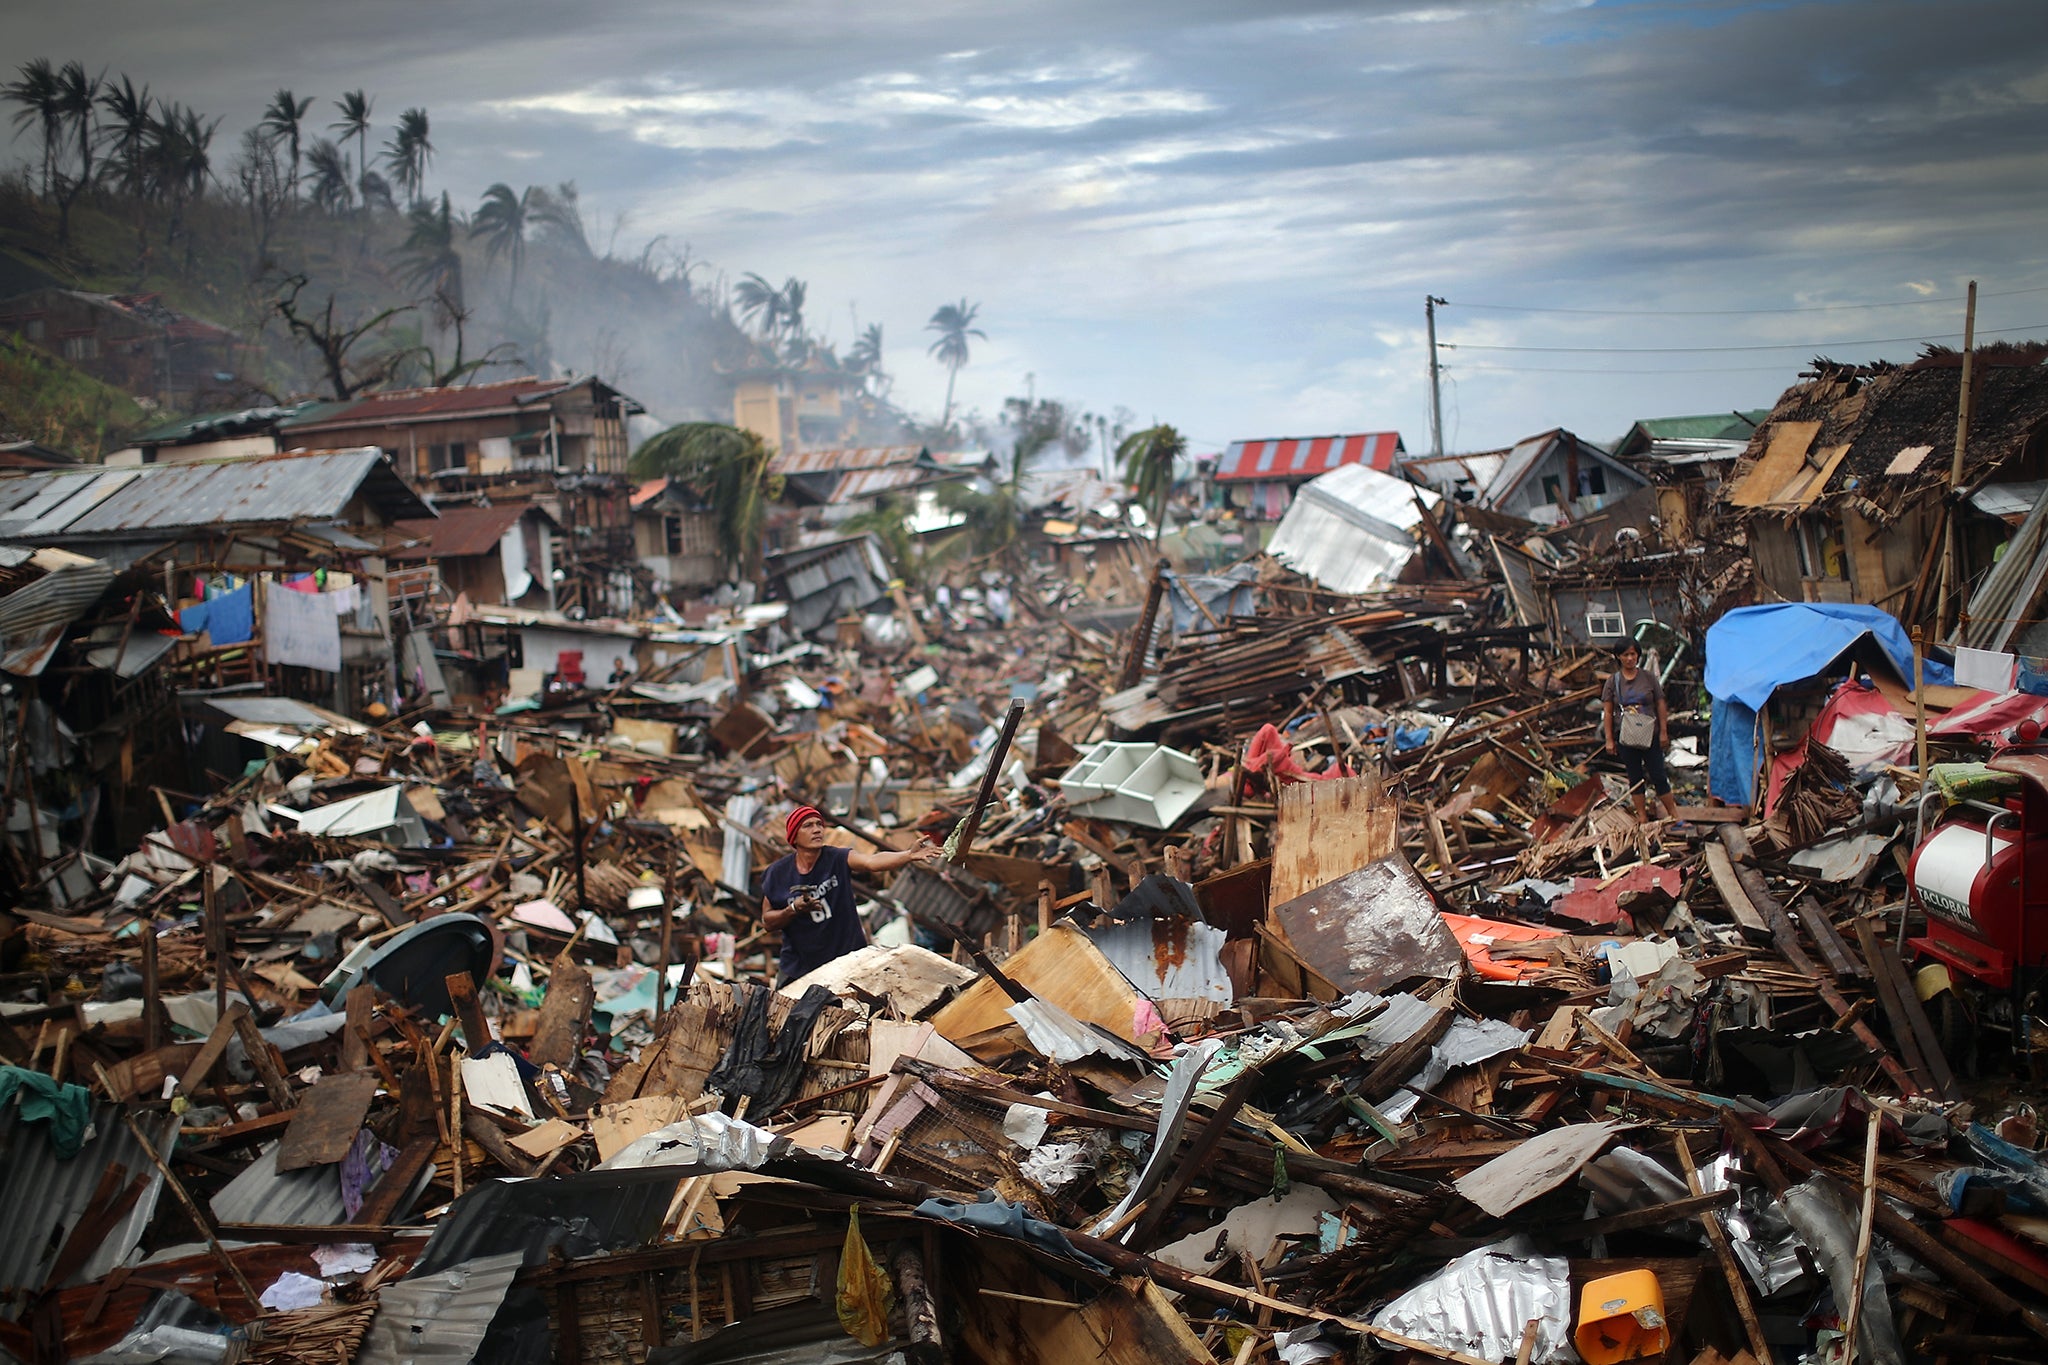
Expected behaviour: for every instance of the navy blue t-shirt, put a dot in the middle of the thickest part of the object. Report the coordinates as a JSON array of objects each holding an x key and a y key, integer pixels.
[{"x": 818, "y": 935}]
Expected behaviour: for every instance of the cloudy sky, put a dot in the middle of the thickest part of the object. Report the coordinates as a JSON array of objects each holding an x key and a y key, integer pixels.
[{"x": 1226, "y": 215}]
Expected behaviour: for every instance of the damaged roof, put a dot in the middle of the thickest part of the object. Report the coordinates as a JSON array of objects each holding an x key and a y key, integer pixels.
[
  {"x": 460, "y": 532},
  {"x": 404, "y": 406},
  {"x": 1883, "y": 433}
]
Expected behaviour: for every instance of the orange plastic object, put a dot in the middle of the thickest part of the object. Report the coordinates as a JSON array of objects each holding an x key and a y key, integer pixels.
[
  {"x": 1474, "y": 935},
  {"x": 1621, "y": 1317}
]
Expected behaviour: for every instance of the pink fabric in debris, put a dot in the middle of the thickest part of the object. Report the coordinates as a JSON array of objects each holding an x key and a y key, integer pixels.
[{"x": 1270, "y": 752}]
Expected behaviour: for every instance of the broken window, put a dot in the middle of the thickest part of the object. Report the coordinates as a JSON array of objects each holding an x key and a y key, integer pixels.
[
  {"x": 1592, "y": 481},
  {"x": 1553, "y": 489},
  {"x": 1820, "y": 548},
  {"x": 83, "y": 346},
  {"x": 674, "y": 528}
]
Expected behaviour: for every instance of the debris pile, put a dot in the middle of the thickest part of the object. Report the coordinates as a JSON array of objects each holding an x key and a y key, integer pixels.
[{"x": 1252, "y": 972}]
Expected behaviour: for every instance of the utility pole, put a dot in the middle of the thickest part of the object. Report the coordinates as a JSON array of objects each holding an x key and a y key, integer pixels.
[
  {"x": 1436, "y": 388},
  {"x": 1951, "y": 584}
]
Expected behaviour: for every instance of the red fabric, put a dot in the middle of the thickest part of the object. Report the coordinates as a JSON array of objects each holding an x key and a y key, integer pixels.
[
  {"x": 796, "y": 820},
  {"x": 1991, "y": 713},
  {"x": 1270, "y": 752}
]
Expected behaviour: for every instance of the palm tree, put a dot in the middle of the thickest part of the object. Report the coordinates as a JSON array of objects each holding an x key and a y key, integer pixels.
[
  {"x": 793, "y": 291},
  {"x": 128, "y": 110},
  {"x": 283, "y": 120},
  {"x": 760, "y": 303},
  {"x": 729, "y": 468},
  {"x": 355, "y": 123},
  {"x": 559, "y": 214},
  {"x": 502, "y": 221},
  {"x": 432, "y": 264},
  {"x": 1148, "y": 458},
  {"x": 866, "y": 353},
  {"x": 955, "y": 324},
  {"x": 77, "y": 96},
  {"x": 407, "y": 154},
  {"x": 329, "y": 169},
  {"x": 41, "y": 106}
]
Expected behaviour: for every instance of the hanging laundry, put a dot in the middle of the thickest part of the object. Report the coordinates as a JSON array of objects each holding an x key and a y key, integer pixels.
[
  {"x": 300, "y": 628},
  {"x": 228, "y": 618}
]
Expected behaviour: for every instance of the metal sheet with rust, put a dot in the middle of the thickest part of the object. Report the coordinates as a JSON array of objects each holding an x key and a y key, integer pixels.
[{"x": 1371, "y": 929}]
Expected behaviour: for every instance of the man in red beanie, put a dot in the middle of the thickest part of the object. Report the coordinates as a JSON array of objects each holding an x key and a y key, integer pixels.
[{"x": 808, "y": 894}]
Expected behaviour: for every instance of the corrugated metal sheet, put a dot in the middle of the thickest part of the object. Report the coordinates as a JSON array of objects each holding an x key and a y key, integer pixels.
[
  {"x": 1168, "y": 959},
  {"x": 1300, "y": 457},
  {"x": 1352, "y": 529},
  {"x": 583, "y": 1215},
  {"x": 438, "y": 1319},
  {"x": 830, "y": 461},
  {"x": 413, "y": 404},
  {"x": 262, "y": 1194},
  {"x": 32, "y": 619},
  {"x": 63, "y": 504},
  {"x": 871, "y": 483},
  {"x": 42, "y": 1196}
]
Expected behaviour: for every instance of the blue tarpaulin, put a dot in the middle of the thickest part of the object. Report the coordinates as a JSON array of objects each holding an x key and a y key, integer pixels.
[{"x": 1753, "y": 651}]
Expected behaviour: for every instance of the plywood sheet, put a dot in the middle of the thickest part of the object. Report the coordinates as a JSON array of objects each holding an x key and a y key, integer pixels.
[
  {"x": 617, "y": 1126},
  {"x": 1060, "y": 966},
  {"x": 326, "y": 1121},
  {"x": 1327, "y": 829},
  {"x": 1812, "y": 476},
  {"x": 1784, "y": 457}
]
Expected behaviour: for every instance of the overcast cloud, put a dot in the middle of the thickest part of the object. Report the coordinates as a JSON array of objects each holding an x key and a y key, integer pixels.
[{"x": 1226, "y": 215}]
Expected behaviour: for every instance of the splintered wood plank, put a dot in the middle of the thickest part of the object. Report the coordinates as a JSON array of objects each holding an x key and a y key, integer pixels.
[
  {"x": 1722, "y": 870},
  {"x": 564, "y": 1015},
  {"x": 1328, "y": 829},
  {"x": 327, "y": 1120},
  {"x": 1063, "y": 967}
]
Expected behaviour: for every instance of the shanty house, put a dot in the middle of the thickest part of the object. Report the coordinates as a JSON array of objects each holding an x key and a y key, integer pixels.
[
  {"x": 675, "y": 536},
  {"x": 1259, "y": 478},
  {"x": 1554, "y": 477},
  {"x": 558, "y": 443},
  {"x": 1686, "y": 459},
  {"x": 1845, "y": 488},
  {"x": 494, "y": 554},
  {"x": 132, "y": 341}
]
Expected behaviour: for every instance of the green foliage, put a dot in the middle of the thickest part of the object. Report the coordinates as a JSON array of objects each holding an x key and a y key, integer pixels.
[
  {"x": 954, "y": 322},
  {"x": 991, "y": 520},
  {"x": 889, "y": 521},
  {"x": 44, "y": 399},
  {"x": 1147, "y": 457},
  {"x": 728, "y": 468}
]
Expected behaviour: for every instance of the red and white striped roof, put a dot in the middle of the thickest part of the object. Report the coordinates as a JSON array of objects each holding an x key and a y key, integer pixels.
[{"x": 1304, "y": 457}]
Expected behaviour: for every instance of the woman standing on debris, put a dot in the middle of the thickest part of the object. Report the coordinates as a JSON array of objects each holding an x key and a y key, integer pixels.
[
  {"x": 808, "y": 893},
  {"x": 1636, "y": 696}
]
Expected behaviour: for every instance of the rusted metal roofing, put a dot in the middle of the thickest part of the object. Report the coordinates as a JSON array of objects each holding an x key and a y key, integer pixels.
[
  {"x": 53, "y": 506},
  {"x": 439, "y": 1318},
  {"x": 871, "y": 483},
  {"x": 401, "y": 406},
  {"x": 460, "y": 531},
  {"x": 1304, "y": 457},
  {"x": 833, "y": 461}
]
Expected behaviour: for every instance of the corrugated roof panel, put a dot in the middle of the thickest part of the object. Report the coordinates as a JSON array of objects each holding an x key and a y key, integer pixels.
[
  {"x": 152, "y": 498},
  {"x": 852, "y": 457},
  {"x": 1306, "y": 456},
  {"x": 42, "y": 1196},
  {"x": 438, "y": 1319},
  {"x": 1351, "y": 529},
  {"x": 262, "y": 1194}
]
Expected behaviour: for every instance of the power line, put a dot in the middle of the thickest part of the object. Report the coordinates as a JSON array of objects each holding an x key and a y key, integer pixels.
[
  {"x": 1815, "y": 347},
  {"x": 1736, "y": 312},
  {"x": 1540, "y": 369}
]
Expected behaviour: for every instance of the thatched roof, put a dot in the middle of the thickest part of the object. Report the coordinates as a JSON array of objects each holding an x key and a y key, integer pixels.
[{"x": 1884, "y": 411}]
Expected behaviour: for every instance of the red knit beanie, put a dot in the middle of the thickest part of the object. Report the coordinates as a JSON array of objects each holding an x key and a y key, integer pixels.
[{"x": 796, "y": 820}]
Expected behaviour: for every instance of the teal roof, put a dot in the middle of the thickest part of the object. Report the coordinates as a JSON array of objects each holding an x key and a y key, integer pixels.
[
  {"x": 215, "y": 425},
  {"x": 1712, "y": 426}
]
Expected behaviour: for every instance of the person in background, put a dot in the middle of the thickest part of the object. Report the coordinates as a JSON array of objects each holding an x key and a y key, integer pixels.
[
  {"x": 1639, "y": 728},
  {"x": 807, "y": 894}
]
